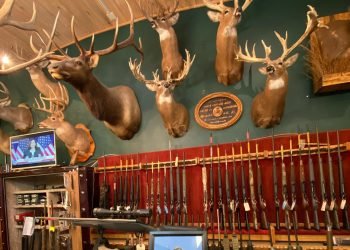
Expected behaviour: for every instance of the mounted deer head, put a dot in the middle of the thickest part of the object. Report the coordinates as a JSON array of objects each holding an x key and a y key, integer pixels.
[
  {"x": 268, "y": 106},
  {"x": 5, "y": 12},
  {"x": 175, "y": 115},
  {"x": 162, "y": 22},
  {"x": 118, "y": 107},
  {"x": 20, "y": 117},
  {"x": 4, "y": 142},
  {"x": 228, "y": 69},
  {"x": 77, "y": 139}
]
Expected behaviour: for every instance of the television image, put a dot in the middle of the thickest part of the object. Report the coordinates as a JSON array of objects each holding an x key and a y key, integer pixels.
[
  {"x": 33, "y": 150},
  {"x": 178, "y": 240}
]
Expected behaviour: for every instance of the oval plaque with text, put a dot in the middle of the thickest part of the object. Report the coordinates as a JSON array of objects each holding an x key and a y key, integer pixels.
[{"x": 218, "y": 110}]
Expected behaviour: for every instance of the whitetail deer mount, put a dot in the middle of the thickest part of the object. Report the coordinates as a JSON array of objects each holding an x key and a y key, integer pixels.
[
  {"x": 4, "y": 142},
  {"x": 174, "y": 115},
  {"x": 118, "y": 106},
  {"x": 5, "y": 12},
  {"x": 228, "y": 69},
  {"x": 268, "y": 106},
  {"x": 20, "y": 117},
  {"x": 77, "y": 139},
  {"x": 163, "y": 21}
]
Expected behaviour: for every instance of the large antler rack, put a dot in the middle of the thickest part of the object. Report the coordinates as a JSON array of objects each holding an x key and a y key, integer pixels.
[
  {"x": 312, "y": 23},
  {"x": 161, "y": 11},
  {"x": 136, "y": 70}
]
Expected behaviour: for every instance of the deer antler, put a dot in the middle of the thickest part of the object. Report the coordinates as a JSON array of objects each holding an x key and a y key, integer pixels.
[
  {"x": 252, "y": 58},
  {"x": 136, "y": 70},
  {"x": 57, "y": 104},
  {"x": 219, "y": 6},
  {"x": 5, "y": 12},
  {"x": 246, "y": 4},
  {"x": 6, "y": 101},
  {"x": 312, "y": 23}
]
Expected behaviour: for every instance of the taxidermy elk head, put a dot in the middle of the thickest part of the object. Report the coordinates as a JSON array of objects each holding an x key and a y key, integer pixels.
[
  {"x": 175, "y": 115},
  {"x": 268, "y": 106},
  {"x": 77, "y": 139},
  {"x": 20, "y": 117},
  {"x": 163, "y": 21},
  {"x": 228, "y": 69},
  {"x": 118, "y": 106}
]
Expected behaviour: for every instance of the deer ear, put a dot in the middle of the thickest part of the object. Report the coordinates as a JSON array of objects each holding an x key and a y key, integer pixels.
[
  {"x": 291, "y": 60},
  {"x": 214, "y": 16},
  {"x": 93, "y": 60},
  {"x": 263, "y": 70},
  {"x": 151, "y": 87},
  {"x": 173, "y": 19}
]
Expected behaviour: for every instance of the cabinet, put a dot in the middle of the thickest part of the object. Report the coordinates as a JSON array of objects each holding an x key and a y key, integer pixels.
[{"x": 51, "y": 192}]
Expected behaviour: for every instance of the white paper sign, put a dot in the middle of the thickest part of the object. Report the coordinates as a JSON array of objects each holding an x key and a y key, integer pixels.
[
  {"x": 331, "y": 206},
  {"x": 28, "y": 228},
  {"x": 342, "y": 204},
  {"x": 323, "y": 207},
  {"x": 246, "y": 206},
  {"x": 293, "y": 205}
]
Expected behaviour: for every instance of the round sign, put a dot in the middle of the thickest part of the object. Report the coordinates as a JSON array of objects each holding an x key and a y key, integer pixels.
[{"x": 218, "y": 110}]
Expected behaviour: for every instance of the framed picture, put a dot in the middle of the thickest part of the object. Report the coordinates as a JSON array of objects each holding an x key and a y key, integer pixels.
[{"x": 329, "y": 54}]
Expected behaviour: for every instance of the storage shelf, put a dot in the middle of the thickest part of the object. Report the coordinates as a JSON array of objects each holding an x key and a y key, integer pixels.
[
  {"x": 41, "y": 191},
  {"x": 38, "y": 206}
]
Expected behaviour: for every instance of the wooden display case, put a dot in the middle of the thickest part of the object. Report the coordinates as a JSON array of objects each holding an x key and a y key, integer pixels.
[{"x": 65, "y": 188}]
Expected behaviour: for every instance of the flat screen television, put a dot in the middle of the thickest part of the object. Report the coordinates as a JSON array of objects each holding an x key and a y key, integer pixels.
[
  {"x": 33, "y": 150},
  {"x": 178, "y": 240}
]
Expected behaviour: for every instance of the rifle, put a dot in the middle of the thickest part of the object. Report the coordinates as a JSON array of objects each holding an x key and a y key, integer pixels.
[
  {"x": 184, "y": 192},
  {"x": 329, "y": 237},
  {"x": 137, "y": 188},
  {"x": 148, "y": 197},
  {"x": 285, "y": 204},
  {"x": 251, "y": 186},
  {"x": 343, "y": 204},
  {"x": 220, "y": 203},
  {"x": 236, "y": 202},
  {"x": 115, "y": 188},
  {"x": 226, "y": 241},
  {"x": 104, "y": 188},
  {"x": 293, "y": 186},
  {"x": 178, "y": 192},
  {"x": 305, "y": 201},
  {"x": 262, "y": 202},
  {"x": 165, "y": 190},
  {"x": 159, "y": 210},
  {"x": 51, "y": 229},
  {"x": 275, "y": 183},
  {"x": 151, "y": 203},
  {"x": 230, "y": 203},
  {"x": 246, "y": 204},
  {"x": 205, "y": 191},
  {"x": 220, "y": 246},
  {"x": 172, "y": 202},
  {"x": 125, "y": 198},
  {"x": 333, "y": 205},
  {"x": 43, "y": 230},
  {"x": 120, "y": 191},
  {"x": 211, "y": 179},
  {"x": 131, "y": 193},
  {"x": 314, "y": 199},
  {"x": 324, "y": 206}
]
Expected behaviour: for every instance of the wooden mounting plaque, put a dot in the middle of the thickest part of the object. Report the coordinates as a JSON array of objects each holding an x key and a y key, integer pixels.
[{"x": 218, "y": 110}]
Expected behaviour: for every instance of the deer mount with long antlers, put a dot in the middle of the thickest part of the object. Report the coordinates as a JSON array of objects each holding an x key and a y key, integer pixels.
[
  {"x": 118, "y": 106},
  {"x": 174, "y": 115},
  {"x": 20, "y": 117},
  {"x": 228, "y": 69},
  {"x": 77, "y": 139},
  {"x": 163, "y": 21},
  {"x": 268, "y": 106}
]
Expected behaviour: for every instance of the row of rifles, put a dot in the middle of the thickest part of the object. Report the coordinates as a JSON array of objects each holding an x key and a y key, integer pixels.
[{"x": 249, "y": 203}]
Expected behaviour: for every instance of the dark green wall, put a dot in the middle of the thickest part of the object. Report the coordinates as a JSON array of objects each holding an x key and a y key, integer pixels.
[{"x": 197, "y": 33}]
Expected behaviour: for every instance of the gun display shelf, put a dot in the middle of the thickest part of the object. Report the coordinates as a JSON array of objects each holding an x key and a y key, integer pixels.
[
  {"x": 55, "y": 191},
  {"x": 114, "y": 168}
]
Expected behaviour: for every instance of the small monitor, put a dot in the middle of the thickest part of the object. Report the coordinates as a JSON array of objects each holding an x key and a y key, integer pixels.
[
  {"x": 178, "y": 240},
  {"x": 33, "y": 150}
]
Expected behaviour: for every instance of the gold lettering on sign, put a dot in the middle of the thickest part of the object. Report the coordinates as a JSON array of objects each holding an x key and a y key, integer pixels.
[{"x": 218, "y": 110}]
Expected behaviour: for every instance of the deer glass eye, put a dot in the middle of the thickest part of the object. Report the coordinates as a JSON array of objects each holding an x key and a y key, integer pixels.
[
  {"x": 280, "y": 63},
  {"x": 226, "y": 12},
  {"x": 53, "y": 118},
  {"x": 79, "y": 63}
]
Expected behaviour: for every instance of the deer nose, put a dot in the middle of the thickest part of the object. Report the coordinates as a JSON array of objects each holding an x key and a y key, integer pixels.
[{"x": 166, "y": 85}]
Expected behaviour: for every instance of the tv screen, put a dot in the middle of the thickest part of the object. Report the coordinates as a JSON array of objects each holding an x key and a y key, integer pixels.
[
  {"x": 178, "y": 240},
  {"x": 33, "y": 150}
]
